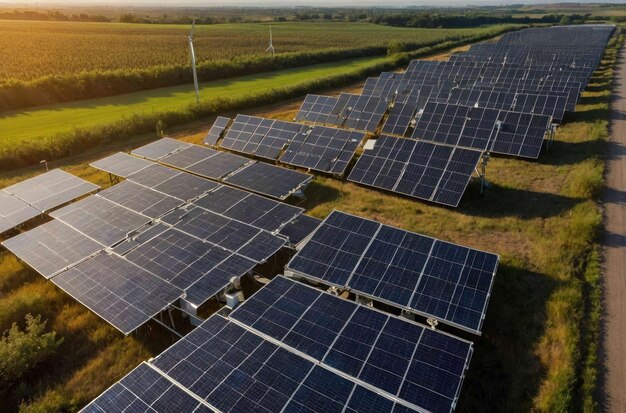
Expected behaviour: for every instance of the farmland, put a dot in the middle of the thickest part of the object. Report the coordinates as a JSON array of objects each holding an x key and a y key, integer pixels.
[{"x": 36, "y": 49}]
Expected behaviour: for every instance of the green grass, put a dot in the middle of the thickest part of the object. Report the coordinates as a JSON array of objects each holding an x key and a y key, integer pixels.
[{"x": 45, "y": 122}]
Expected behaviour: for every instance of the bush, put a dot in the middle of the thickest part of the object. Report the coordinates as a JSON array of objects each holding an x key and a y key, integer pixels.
[{"x": 21, "y": 351}]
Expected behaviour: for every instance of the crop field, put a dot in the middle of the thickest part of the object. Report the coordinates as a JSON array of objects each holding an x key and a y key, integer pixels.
[{"x": 32, "y": 50}]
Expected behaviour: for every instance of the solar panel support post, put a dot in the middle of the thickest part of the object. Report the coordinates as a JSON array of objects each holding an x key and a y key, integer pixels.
[
  {"x": 113, "y": 179},
  {"x": 484, "y": 159},
  {"x": 432, "y": 322},
  {"x": 408, "y": 315},
  {"x": 551, "y": 134}
]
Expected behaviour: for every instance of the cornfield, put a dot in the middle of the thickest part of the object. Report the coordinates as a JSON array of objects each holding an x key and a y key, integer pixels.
[{"x": 31, "y": 50}]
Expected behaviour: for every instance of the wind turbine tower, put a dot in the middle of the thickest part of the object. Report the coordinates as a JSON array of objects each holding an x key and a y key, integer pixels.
[
  {"x": 193, "y": 61},
  {"x": 271, "y": 48}
]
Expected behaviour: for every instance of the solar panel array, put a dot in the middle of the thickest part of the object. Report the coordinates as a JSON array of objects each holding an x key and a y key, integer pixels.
[
  {"x": 294, "y": 348},
  {"x": 410, "y": 271},
  {"x": 35, "y": 196},
  {"x": 265, "y": 179},
  {"x": 216, "y": 131},
  {"x": 418, "y": 169}
]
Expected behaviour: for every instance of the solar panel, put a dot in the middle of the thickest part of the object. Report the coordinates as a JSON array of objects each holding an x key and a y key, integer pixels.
[
  {"x": 421, "y": 367},
  {"x": 153, "y": 175},
  {"x": 521, "y": 134},
  {"x": 278, "y": 136},
  {"x": 245, "y": 128},
  {"x": 185, "y": 186},
  {"x": 299, "y": 228},
  {"x": 139, "y": 237},
  {"x": 123, "y": 294},
  {"x": 52, "y": 247},
  {"x": 430, "y": 277},
  {"x": 364, "y": 112},
  {"x": 14, "y": 211},
  {"x": 323, "y": 149},
  {"x": 184, "y": 158},
  {"x": 269, "y": 180},
  {"x": 218, "y": 166},
  {"x": 250, "y": 208},
  {"x": 418, "y": 169},
  {"x": 146, "y": 390},
  {"x": 140, "y": 199},
  {"x": 159, "y": 149},
  {"x": 400, "y": 118},
  {"x": 101, "y": 220},
  {"x": 234, "y": 369},
  {"x": 232, "y": 235},
  {"x": 216, "y": 131},
  {"x": 51, "y": 189},
  {"x": 183, "y": 261},
  {"x": 316, "y": 108},
  {"x": 121, "y": 164}
]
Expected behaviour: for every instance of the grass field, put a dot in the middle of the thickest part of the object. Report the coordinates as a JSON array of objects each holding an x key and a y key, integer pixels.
[
  {"x": 541, "y": 216},
  {"x": 35, "y": 49},
  {"x": 45, "y": 122}
]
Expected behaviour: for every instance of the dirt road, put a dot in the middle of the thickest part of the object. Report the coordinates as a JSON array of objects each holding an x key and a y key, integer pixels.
[{"x": 613, "y": 386}]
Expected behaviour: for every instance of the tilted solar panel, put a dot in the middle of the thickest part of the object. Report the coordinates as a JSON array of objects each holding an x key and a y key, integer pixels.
[
  {"x": 430, "y": 277},
  {"x": 300, "y": 228},
  {"x": 316, "y": 108},
  {"x": 218, "y": 166},
  {"x": 245, "y": 128},
  {"x": 123, "y": 294},
  {"x": 159, "y": 149},
  {"x": 270, "y": 180},
  {"x": 191, "y": 155},
  {"x": 14, "y": 211},
  {"x": 121, "y": 164},
  {"x": 399, "y": 119},
  {"x": 140, "y": 199},
  {"x": 216, "y": 131}
]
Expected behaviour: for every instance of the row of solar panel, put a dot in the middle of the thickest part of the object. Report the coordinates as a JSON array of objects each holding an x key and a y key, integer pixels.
[
  {"x": 317, "y": 148},
  {"x": 294, "y": 348},
  {"x": 262, "y": 178},
  {"x": 35, "y": 196}
]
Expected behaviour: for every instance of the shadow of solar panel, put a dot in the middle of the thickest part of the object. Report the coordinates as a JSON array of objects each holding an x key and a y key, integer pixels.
[
  {"x": 521, "y": 134},
  {"x": 396, "y": 267},
  {"x": 101, "y": 220},
  {"x": 383, "y": 351},
  {"x": 186, "y": 157},
  {"x": 399, "y": 119},
  {"x": 218, "y": 166},
  {"x": 316, "y": 108},
  {"x": 121, "y": 164},
  {"x": 300, "y": 228},
  {"x": 216, "y": 131},
  {"x": 14, "y": 211},
  {"x": 270, "y": 180},
  {"x": 52, "y": 247},
  {"x": 146, "y": 390},
  {"x": 159, "y": 149},
  {"x": 323, "y": 149},
  {"x": 123, "y": 294},
  {"x": 140, "y": 199},
  {"x": 51, "y": 189},
  {"x": 246, "y": 207}
]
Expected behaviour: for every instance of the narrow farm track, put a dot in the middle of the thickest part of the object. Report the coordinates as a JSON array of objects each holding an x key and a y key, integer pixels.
[{"x": 614, "y": 199}]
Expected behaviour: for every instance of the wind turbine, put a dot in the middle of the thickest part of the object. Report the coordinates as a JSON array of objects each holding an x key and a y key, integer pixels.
[
  {"x": 271, "y": 48},
  {"x": 193, "y": 61}
]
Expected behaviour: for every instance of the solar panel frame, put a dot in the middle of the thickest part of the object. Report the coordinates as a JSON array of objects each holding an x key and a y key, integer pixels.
[
  {"x": 121, "y": 293},
  {"x": 121, "y": 164}
]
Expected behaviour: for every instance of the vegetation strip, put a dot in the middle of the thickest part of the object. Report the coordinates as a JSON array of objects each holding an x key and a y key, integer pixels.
[{"x": 21, "y": 147}]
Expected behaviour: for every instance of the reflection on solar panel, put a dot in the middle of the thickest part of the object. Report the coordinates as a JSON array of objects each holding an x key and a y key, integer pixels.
[
  {"x": 51, "y": 189},
  {"x": 159, "y": 149},
  {"x": 400, "y": 118},
  {"x": 123, "y": 294},
  {"x": 250, "y": 208},
  {"x": 52, "y": 247},
  {"x": 14, "y": 211},
  {"x": 421, "y": 367},
  {"x": 269, "y": 180},
  {"x": 216, "y": 131},
  {"x": 430, "y": 277},
  {"x": 234, "y": 369},
  {"x": 146, "y": 390},
  {"x": 235, "y": 236},
  {"x": 299, "y": 228},
  {"x": 121, "y": 164},
  {"x": 190, "y": 264},
  {"x": 316, "y": 108},
  {"x": 184, "y": 158},
  {"x": 323, "y": 149},
  {"x": 101, "y": 220},
  {"x": 218, "y": 166},
  {"x": 418, "y": 169},
  {"x": 140, "y": 199}
]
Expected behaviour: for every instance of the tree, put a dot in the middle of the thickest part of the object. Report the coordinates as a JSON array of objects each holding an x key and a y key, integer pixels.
[{"x": 21, "y": 351}]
